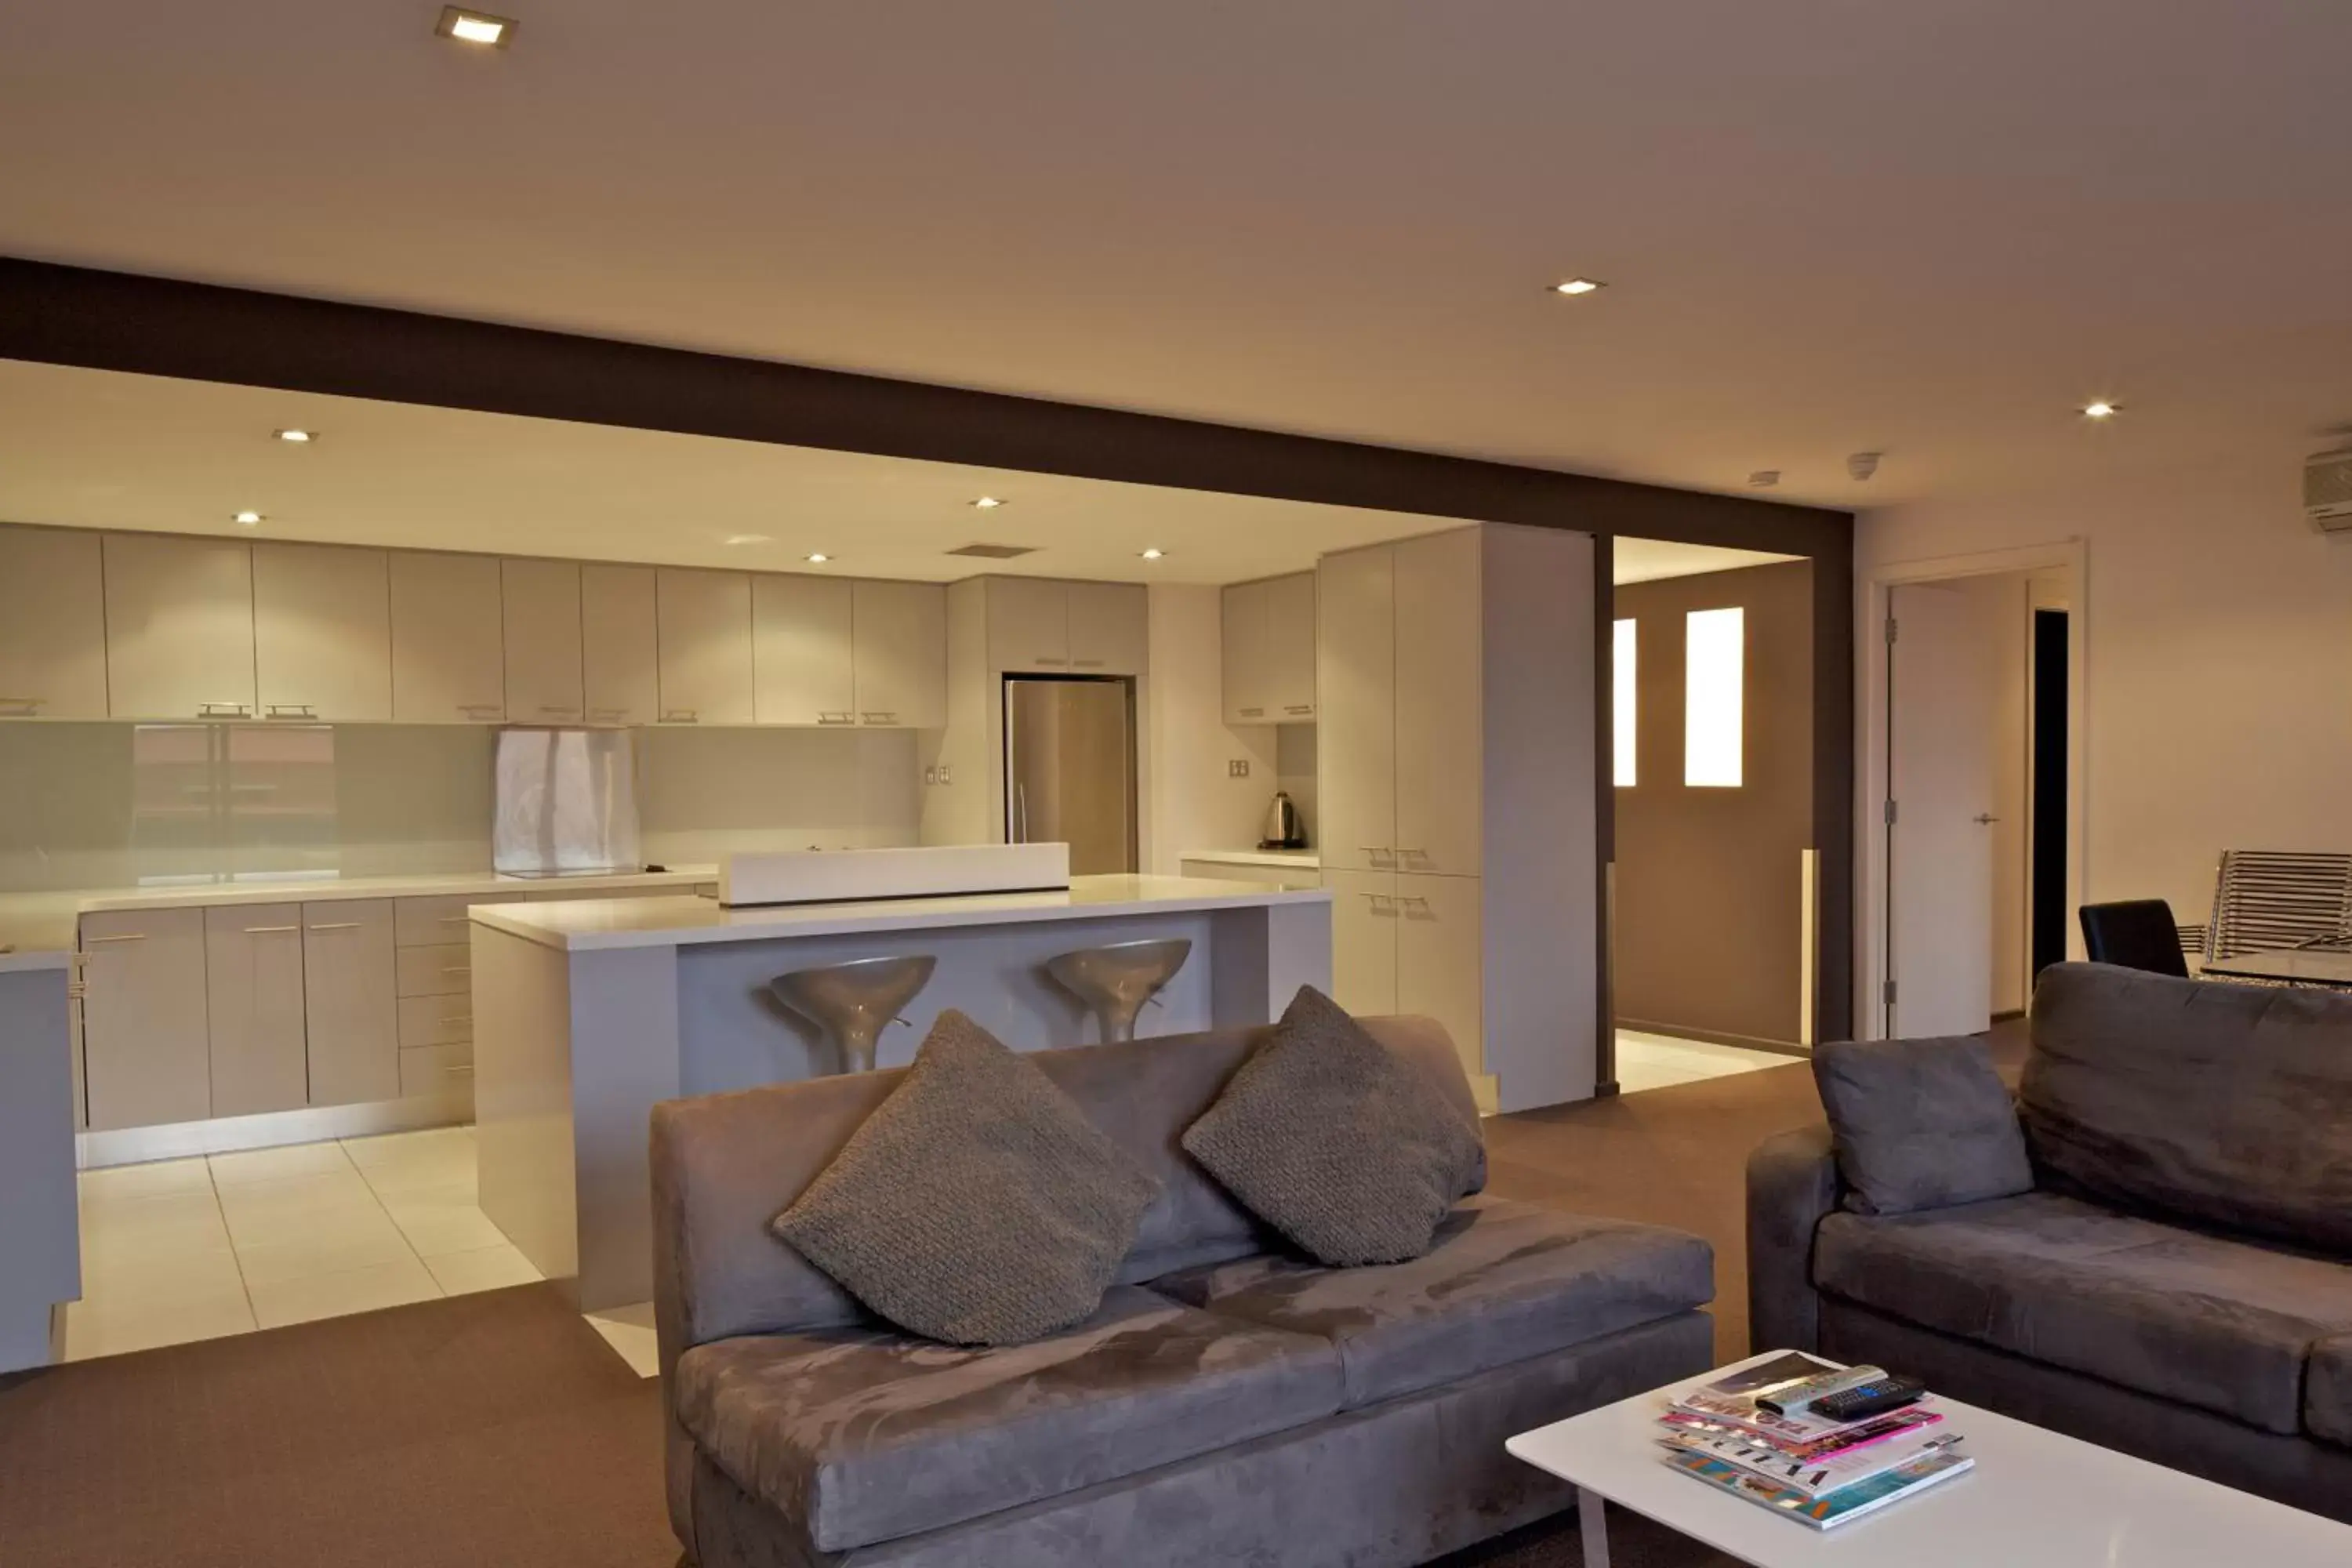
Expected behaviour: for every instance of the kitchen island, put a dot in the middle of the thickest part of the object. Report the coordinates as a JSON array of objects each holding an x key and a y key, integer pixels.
[{"x": 586, "y": 1013}]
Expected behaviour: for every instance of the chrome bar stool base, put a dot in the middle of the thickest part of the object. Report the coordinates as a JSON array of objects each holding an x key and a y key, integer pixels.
[
  {"x": 1115, "y": 981},
  {"x": 852, "y": 1003}
]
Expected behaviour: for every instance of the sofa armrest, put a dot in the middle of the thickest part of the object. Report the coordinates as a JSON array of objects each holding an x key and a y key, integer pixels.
[{"x": 1792, "y": 1186}]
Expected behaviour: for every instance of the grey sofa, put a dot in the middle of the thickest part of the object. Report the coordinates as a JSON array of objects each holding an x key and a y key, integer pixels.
[
  {"x": 1228, "y": 1404},
  {"x": 2178, "y": 1285}
]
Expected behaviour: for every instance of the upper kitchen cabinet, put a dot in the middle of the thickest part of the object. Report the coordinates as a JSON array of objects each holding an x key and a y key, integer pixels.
[
  {"x": 1109, "y": 628},
  {"x": 1356, "y": 746},
  {"x": 1439, "y": 659},
  {"x": 1029, "y": 625},
  {"x": 801, "y": 651},
  {"x": 706, "y": 660},
  {"x": 322, "y": 633},
  {"x": 448, "y": 652},
  {"x": 900, "y": 632},
  {"x": 52, "y": 625},
  {"x": 541, "y": 602},
  {"x": 620, "y": 651},
  {"x": 179, "y": 627},
  {"x": 1269, "y": 650}
]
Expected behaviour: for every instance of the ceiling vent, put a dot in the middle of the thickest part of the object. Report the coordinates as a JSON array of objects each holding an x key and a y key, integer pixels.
[
  {"x": 2327, "y": 491},
  {"x": 995, "y": 551}
]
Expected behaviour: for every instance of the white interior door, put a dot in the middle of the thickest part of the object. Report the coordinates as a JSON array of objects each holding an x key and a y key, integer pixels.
[{"x": 1941, "y": 773}]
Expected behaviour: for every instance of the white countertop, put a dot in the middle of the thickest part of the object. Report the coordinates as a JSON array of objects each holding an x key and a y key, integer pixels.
[
  {"x": 49, "y": 920},
  {"x": 19, "y": 963},
  {"x": 589, "y": 924},
  {"x": 1307, "y": 859}
]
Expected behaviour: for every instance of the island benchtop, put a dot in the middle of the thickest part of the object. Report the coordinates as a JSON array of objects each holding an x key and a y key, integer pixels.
[{"x": 598, "y": 923}]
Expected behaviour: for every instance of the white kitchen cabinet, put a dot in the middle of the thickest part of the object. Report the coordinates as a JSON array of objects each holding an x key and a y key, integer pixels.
[
  {"x": 179, "y": 627},
  {"x": 350, "y": 996},
  {"x": 442, "y": 971},
  {"x": 448, "y": 653},
  {"x": 1363, "y": 940},
  {"x": 1109, "y": 627},
  {"x": 1440, "y": 759},
  {"x": 1355, "y": 674},
  {"x": 803, "y": 650},
  {"x": 540, "y": 628},
  {"x": 1029, "y": 625},
  {"x": 145, "y": 1047},
  {"x": 52, "y": 625},
  {"x": 1289, "y": 647},
  {"x": 706, "y": 661},
  {"x": 1245, "y": 668},
  {"x": 900, "y": 631},
  {"x": 620, "y": 651},
  {"x": 1440, "y": 963},
  {"x": 254, "y": 1008},
  {"x": 321, "y": 632}
]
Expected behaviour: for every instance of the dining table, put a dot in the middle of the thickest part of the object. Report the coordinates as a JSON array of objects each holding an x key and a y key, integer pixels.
[{"x": 2329, "y": 966}]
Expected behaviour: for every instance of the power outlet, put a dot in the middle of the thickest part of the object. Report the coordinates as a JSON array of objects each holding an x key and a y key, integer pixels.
[
  {"x": 1238, "y": 768},
  {"x": 931, "y": 776}
]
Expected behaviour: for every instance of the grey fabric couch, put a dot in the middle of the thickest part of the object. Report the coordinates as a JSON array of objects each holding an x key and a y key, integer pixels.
[
  {"x": 1228, "y": 1404},
  {"x": 2178, "y": 1285}
]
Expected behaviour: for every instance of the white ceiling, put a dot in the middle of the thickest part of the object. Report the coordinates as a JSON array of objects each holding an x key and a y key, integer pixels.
[
  {"x": 1931, "y": 229},
  {"x": 88, "y": 449}
]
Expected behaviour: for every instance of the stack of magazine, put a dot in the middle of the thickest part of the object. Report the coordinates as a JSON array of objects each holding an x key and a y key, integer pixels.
[{"x": 1815, "y": 1471}]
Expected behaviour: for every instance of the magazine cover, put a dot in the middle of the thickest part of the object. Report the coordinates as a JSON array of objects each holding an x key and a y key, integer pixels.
[
  {"x": 1816, "y": 1475},
  {"x": 1836, "y": 1508}
]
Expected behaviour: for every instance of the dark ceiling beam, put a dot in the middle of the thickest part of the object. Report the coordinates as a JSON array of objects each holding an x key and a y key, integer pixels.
[{"x": 154, "y": 326}]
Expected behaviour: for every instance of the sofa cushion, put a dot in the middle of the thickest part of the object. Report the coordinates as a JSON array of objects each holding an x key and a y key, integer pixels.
[
  {"x": 977, "y": 1205},
  {"x": 2215, "y": 1323},
  {"x": 1504, "y": 1281},
  {"x": 1345, "y": 1146},
  {"x": 1920, "y": 1124},
  {"x": 2327, "y": 1391},
  {"x": 858, "y": 1435},
  {"x": 2228, "y": 1106}
]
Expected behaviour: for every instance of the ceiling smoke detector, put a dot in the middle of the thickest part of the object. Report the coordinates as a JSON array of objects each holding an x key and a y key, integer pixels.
[
  {"x": 1764, "y": 478},
  {"x": 1862, "y": 465},
  {"x": 994, "y": 552}
]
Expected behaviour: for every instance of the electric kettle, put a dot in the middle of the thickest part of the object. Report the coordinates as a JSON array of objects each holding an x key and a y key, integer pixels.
[{"x": 1283, "y": 827}]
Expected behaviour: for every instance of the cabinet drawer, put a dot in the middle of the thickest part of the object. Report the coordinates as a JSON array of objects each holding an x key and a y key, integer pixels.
[
  {"x": 444, "y": 971},
  {"x": 429, "y": 922},
  {"x": 427, "y": 1070},
  {"x": 435, "y": 1020}
]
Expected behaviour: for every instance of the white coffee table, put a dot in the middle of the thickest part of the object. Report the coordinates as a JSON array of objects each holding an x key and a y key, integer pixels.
[{"x": 2036, "y": 1500}]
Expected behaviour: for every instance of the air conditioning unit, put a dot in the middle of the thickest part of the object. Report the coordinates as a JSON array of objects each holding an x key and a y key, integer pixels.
[{"x": 2327, "y": 491}]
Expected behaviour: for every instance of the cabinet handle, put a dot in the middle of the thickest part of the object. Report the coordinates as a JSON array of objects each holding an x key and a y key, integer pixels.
[
  {"x": 1090, "y": 663},
  {"x": 1042, "y": 659},
  {"x": 270, "y": 931},
  {"x": 224, "y": 710},
  {"x": 1416, "y": 902},
  {"x": 455, "y": 919},
  {"x": 1300, "y": 708},
  {"x": 609, "y": 714},
  {"x": 483, "y": 709},
  {"x": 1253, "y": 713},
  {"x": 881, "y": 718},
  {"x": 23, "y": 705},
  {"x": 337, "y": 925},
  {"x": 559, "y": 712},
  {"x": 826, "y": 717},
  {"x": 681, "y": 716},
  {"x": 461, "y": 1069},
  {"x": 290, "y": 711},
  {"x": 127, "y": 936},
  {"x": 1381, "y": 903},
  {"x": 457, "y": 969}
]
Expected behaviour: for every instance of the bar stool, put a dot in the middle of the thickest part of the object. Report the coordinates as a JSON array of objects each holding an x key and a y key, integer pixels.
[
  {"x": 1118, "y": 980},
  {"x": 854, "y": 1002}
]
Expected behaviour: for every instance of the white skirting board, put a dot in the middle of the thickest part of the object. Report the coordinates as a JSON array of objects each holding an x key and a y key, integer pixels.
[{"x": 850, "y": 875}]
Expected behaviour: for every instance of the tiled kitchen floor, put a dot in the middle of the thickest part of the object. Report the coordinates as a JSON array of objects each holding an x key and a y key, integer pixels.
[
  {"x": 193, "y": 1249},
  {"x": 1661, "y": 1061}
]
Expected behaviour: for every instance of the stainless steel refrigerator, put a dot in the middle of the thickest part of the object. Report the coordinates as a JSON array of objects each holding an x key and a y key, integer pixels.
[{"x": 1069, "y": 768}]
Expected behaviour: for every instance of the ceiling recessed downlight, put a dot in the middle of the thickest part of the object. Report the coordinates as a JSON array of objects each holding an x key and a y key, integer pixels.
[
  {"x": 1574, "y": 286},
  {"x": 818, "y": 558},
  {"x": 988, "y": 503},
  {"x": 249, "y": 519},
  {"x": 749, "y": 539},
  {"x": 1155, "y": 553},
  {"x": 475, "y": 26},
  {"x": 297, "y": 437},
  {"x": 2101, "y": 409}
]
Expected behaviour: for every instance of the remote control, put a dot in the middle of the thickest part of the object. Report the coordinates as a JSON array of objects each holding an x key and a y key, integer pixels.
[
  {"x": 1794, "y": 1398},
  {"x": 1870, "y": 1399}
]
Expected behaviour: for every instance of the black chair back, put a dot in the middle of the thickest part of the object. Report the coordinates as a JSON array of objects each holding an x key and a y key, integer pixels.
[{"x": 2138, "y": 933}]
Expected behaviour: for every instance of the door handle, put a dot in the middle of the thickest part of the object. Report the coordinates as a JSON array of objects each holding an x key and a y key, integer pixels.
[{"x": 1985, "y": 819}]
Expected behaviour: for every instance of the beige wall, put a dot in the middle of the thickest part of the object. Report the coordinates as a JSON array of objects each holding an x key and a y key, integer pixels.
[
  {"x": 2219, "y": 631},
  {"x": 1196, "y": 804}
]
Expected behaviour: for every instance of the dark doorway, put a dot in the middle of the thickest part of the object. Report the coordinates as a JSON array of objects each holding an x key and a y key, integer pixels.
[{"x": 2048, "y": 864}]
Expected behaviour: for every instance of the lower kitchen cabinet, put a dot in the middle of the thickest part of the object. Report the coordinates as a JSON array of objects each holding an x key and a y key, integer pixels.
[
  {"x": 145, "y": 1038},
  {"x": 428, "y": 1071},
  {"x": 350, "y": 989},
  {"x": 254, "y": 1008},
  {"x": 1440, "y": 961},
  {"x": 1363, "y": 940}
]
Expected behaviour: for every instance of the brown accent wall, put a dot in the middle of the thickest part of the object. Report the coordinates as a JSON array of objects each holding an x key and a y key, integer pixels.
[{"x": 1708, "y": 938}]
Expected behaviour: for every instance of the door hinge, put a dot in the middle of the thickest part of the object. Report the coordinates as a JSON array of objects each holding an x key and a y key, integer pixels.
[
  {"x": 1890, "y": 628},
  {"x": 1890, "y": 811},
  {"x": 1887, "y": 993}
]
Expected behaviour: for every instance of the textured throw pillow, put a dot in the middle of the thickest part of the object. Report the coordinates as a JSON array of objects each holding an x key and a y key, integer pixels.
[
  {"x": 1342, "y": 1145},
  {"x": 1920, "y": 1124},
  {"x": 977, "y": 1205}
]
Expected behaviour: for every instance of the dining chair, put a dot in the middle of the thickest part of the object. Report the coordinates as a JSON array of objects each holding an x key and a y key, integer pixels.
[{"x": 2136, "y": 933}]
